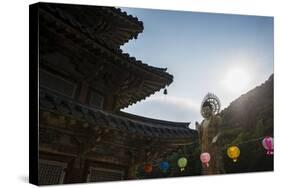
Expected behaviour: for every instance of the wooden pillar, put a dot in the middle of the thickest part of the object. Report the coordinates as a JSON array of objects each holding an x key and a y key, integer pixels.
[
  {"x": 132, "y": 169},
  {"x": 136, "y": 160}
]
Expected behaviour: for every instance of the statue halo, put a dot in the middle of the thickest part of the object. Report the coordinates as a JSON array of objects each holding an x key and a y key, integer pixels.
[{"x": 213, "y": 100}]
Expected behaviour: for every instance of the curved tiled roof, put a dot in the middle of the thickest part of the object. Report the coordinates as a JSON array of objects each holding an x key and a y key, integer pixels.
[
  {"x": 154, "y": 121},
  {"x": 126, "y": 123},
  {"x": 98, "y": 22},
  {"x": 94, "y": 45}
]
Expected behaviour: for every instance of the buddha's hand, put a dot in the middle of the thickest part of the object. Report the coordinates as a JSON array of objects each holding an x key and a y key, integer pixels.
[{"x": 215, "y": 139}]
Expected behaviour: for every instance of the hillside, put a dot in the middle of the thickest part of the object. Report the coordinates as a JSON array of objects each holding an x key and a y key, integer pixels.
[
  {"x": 247, "y": 110},
  {"x": 246, "y": 121}
]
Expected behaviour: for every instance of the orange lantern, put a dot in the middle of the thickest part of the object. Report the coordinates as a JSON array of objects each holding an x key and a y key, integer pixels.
[{"x": 148, "y": 168}]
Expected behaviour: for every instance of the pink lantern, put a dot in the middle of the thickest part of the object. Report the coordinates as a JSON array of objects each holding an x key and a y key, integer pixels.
[
  {"x": 205, "y": 158},
  {"x": 267, "y": 143}
]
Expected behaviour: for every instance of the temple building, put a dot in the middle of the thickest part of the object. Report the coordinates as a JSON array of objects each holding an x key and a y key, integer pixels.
[{"x": 85, "y": 80}]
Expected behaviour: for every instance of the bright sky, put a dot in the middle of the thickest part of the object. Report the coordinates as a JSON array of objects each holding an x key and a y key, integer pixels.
[{"x": 220, "y": 53}]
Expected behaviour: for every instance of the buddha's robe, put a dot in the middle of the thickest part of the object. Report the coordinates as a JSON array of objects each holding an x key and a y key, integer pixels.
[{"x": 208, "y": 129}]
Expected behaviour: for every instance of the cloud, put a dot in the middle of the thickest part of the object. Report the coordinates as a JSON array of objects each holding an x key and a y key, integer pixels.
[
  {"x": 183, "y": 103},
  {"x": 168, "y": 108}
]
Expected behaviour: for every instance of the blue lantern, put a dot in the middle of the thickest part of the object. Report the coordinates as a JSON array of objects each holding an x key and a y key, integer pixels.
[{"x": 164, "y": 166}]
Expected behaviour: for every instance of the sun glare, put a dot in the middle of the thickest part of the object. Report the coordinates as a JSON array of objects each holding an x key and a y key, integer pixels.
[{"x": 237, "y": 80}]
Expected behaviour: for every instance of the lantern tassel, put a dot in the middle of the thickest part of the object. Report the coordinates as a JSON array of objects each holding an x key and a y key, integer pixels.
[{"x": 269, "y": 152}]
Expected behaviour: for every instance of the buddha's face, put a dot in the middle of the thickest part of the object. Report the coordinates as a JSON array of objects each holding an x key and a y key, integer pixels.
[{"x": 207, "y": 111}]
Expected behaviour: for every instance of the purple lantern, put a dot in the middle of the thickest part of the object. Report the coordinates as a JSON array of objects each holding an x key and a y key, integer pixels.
[
  {"x": 205, "y": 158},
  {"x": 267, "y": 143}
]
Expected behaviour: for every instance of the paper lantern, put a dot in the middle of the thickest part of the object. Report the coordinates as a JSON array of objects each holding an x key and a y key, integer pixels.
[
  {"x": 233, "y": 152},
  {"x": 148, "y": 168},
  {"x": 182, "y": 162},
  {"x": 205, "y": 158},
  {"x": 164, "y": 166},
  {"x": 267, "y": 143}
]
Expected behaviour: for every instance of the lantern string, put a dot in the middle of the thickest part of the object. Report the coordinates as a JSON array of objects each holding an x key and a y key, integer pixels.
[
  {"x": 246, "y": 142},
  {"x": 224, "y": 148}
]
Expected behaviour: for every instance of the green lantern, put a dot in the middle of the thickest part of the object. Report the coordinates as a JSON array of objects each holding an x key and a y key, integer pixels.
[{"x": 182, "y": 162}]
